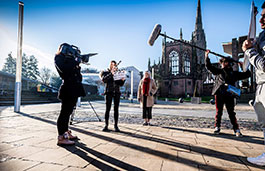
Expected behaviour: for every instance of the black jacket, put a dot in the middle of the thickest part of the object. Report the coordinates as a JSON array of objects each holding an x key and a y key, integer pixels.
[
  {"x": 111, "y": 86},
  {"x": 224, "y": 76},
  {"x": 69, "y": 71}
]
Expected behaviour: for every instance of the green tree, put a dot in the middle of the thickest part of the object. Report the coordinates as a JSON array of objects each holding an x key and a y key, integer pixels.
[
  {"x": 30, "y": 67},
  {"x": 10, "y": 64},
  {"x": 24, "y": 65}
]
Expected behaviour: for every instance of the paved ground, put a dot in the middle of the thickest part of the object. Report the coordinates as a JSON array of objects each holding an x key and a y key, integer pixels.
[{"x": 28, "y": 142}]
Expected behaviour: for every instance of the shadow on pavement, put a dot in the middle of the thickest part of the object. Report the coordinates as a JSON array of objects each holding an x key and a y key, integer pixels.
[
  {"x": 98, "y": 164},
  {"x": 245, "y": 138},
  {"x": 201, "y": 150},
  {"x": 175, "y": 158}
]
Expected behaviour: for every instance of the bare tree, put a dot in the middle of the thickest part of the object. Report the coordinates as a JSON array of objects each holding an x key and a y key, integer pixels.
[
  {"x": 45, "y": 75},
  {"x": 56, "y": 81}
]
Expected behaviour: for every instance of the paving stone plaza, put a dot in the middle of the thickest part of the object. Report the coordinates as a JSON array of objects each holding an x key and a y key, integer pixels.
[{"x": 28, "y": 142}]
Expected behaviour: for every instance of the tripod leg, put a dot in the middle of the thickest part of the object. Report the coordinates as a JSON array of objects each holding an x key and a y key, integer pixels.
[{"x": 94, "y": 111}]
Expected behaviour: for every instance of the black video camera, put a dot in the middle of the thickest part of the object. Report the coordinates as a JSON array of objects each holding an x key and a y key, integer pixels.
[{"x": 74, "y": 51}]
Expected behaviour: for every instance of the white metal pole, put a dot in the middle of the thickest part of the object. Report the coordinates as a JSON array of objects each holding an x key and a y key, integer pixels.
[
  {"x": 131, "y": 86},
  {"x": 19, "y": 59},
  {"x": 153, "y": 73}
]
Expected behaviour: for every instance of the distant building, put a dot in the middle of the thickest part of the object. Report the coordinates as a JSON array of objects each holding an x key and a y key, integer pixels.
[
  {"x": 234, "y": 48},
  {"x": 7, "y": 82},
  {"x": 181, "y": 71},
  {"x": 126, "y": 89},
  {"x": 93, "y": 79}
]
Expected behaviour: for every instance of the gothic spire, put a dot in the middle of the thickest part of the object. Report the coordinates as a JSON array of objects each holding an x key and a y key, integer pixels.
[
  {"x": 198, "y": 25},
  {"x": 180, "y": 37},
  {"x": 149, "y": 64},
  {"x": 198, "y": 36}
]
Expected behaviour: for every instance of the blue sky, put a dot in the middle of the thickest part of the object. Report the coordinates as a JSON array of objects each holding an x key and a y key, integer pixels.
[{"x": 117, "y": 30}]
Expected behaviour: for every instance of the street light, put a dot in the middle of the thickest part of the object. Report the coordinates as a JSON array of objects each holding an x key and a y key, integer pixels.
[{"x": 18, "y": 86}]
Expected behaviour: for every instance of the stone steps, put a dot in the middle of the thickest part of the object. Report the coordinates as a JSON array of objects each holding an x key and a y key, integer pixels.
[{"x": 29, "y": 97}]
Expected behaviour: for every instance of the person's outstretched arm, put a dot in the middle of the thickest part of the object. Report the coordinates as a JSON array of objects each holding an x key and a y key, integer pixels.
[{"x": 209, "y": 65}]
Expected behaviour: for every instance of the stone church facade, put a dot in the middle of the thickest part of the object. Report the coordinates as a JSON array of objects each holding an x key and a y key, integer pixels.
[{"x": 182, "y": 71}]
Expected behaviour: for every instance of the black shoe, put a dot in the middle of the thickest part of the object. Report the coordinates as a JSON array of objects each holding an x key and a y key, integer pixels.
[
  {"x": 105, "y": 129},
  {"x": 217, "y": 130},
  {"x": 145, "y": 124},
  {"x": 117, "y": 129}
]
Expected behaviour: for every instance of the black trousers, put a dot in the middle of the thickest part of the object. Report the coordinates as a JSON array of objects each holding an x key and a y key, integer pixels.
[
  {"x": 109, "y": 97},
  {"x": 67, "y": 107},
  {"x": 228, "y": 100},
  {"x": 147, "y": 111}
]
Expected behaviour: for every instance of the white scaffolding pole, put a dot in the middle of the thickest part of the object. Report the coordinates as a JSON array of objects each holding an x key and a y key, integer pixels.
[
  {"x": 132, "y": 86},
  {"x": 153, "y": 73},
  {"x": 19, "y": 59}
]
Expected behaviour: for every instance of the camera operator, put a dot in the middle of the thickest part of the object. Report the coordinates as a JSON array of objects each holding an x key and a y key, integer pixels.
[
  {"x": 112, "y": 90},
  {"x": 67, "y": 65}
]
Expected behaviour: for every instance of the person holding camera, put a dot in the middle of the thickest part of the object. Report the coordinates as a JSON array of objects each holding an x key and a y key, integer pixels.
[
  {"x": 112, "y": 91},
  {"x": 67, "y": 64},
  {"x": 225, "y": 76},
  {"x": 146, "y": 90}
]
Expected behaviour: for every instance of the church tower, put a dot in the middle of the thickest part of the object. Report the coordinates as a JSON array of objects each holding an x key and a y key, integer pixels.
[{"x": 198, "y": 36}]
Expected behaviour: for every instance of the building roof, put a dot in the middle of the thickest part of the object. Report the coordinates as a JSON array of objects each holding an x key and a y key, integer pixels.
[{"x": 14, "y": 76}]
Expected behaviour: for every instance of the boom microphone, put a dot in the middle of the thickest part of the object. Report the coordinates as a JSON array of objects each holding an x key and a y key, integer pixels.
[
  {"x": 154, "y": 35},
  {"x": 157, "y": 32}
]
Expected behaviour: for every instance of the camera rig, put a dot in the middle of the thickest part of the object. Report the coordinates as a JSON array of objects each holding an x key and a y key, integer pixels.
[{"x": 74, "y": 51}]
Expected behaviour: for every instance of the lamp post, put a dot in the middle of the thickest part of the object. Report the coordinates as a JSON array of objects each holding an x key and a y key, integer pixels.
[{"x": 17, "y": 98}]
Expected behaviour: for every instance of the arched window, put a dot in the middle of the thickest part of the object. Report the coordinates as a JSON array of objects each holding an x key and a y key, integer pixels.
[
  {"x": 186, "y": 57},
  {"x": 174, "y": 62}
]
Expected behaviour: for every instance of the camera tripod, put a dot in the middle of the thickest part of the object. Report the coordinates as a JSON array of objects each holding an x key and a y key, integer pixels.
[{"x": 74, "y": 112}]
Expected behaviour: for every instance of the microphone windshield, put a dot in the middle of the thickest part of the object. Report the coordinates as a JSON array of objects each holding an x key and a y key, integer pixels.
[{"x": 154, "y": 35}]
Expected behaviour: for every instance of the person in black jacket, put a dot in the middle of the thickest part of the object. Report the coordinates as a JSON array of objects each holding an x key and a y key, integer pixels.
[
  {"x": 225, "y": 76},
  {"x": 71, "y": 88},
  {"x": 112, "y": 91}
]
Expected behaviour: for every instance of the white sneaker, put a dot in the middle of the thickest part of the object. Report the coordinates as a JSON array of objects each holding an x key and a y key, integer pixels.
[
  {"x": 217, "y": 130},
  {"x": 260, "y": 160},
  {"x": 238, "y": 133}
]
